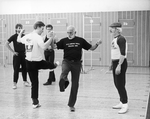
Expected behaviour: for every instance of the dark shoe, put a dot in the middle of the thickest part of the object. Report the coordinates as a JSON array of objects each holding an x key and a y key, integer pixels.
[
  {"x": 35, "y": 101},
  {"x": 72, "y": 109},
  {"x": 47, "y": 83},
  {"x": 53, "y": 80},
  {"x": 62, "y": 85},
  {"x": 66, "y": 84}
]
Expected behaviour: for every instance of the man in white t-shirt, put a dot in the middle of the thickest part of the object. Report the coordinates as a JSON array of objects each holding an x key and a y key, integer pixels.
[{"x": 35, "y": 46}]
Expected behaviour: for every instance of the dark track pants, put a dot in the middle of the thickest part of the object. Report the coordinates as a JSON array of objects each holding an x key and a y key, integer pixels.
[
  {"x": 120, "y": 80},
  {"x": 50, "y": 56},
  {"x": 19, "y": 60},
  {"x": 32, "y": 68},
  {"x": 75, "y": 69}
]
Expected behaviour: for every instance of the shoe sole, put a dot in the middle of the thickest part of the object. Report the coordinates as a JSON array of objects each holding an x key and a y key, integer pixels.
[
  {"x": 122, "y": 112},
  {"x": 37, "y": 106},
  {"x": 116, "y": 107},
  {"x": 47, "y": 84}
]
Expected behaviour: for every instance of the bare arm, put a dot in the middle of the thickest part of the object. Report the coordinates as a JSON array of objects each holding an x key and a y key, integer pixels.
[
  {"x": 55, "y": 40},
  {"x": 9, "y": 48},
  {"x": 121, "y": 60},
  {"x": 53, "y": 43},
  {"x": 19, "y": 35},
  {"x": 96, "y": 45},
  {"x": 50, "y": 42},
  {"x": 47, "y": 43}
]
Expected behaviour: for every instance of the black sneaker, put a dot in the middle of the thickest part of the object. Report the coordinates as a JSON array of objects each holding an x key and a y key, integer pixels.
[
  {"x": 72, "y": 109},
  {"x": 66, "y": 84},
  {"x": 47, "y": 83},
  {"x": 62, "y": 85}
]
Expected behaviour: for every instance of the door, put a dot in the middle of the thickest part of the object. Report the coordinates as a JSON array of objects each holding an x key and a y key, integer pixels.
[
  {"x": 128, "y": 33},
  {"x": 60, "y": 28},
  {"x": 3, "y": 49},
  {"x": 91, "y": 27},
  {"x": 28, "y": 24}
]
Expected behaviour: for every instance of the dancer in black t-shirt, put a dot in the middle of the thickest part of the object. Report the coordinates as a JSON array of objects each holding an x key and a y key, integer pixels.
[
  {"x": 50, "y": 54},
  {"x": 72, "y": 47},
  {"x": 18, "y": 57}
]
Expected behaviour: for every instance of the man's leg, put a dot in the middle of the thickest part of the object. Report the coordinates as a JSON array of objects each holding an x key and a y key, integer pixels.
[
  {"x": 34, "y": 88},
  {"x": 49, "y": 56},
  {"x": 46, "y": 65},
  {"x": 16, "y": 67},
  {"x": 51, "y": 78},
  {"x": 23, "y": 64},
  {"x": 52, "y": 73},
  {"x": 75, "y": 73},
  {"x": 121, "y": 80},
  {"x": 63, "y": 83},
  {"x": 34, "y": 85},
  {"x": 33, "y": 75}
]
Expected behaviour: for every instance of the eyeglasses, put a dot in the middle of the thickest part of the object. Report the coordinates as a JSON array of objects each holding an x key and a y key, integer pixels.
[{"x": 70, "y": 33}]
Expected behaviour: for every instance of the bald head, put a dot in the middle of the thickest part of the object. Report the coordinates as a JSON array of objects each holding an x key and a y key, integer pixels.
[
  {"x": 71, "y": 28},
  {"x": 71, "y": 32}
]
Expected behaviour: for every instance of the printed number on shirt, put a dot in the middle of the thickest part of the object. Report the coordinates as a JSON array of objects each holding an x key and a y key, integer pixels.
[
  {"x": 29, "y": 45},
  {"x": 29, "y": 48},
  {"x": 113, "y": 45}
]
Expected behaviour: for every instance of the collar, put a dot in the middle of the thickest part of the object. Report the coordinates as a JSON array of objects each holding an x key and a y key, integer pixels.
[{"x": 117, "y": 36}]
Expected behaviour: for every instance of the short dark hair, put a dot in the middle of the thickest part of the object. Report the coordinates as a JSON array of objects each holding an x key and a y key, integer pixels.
[
  {"x": 18, "y": 25},
  {"x": 49, "y": 25},
  {"x": 38, "y": 24}
]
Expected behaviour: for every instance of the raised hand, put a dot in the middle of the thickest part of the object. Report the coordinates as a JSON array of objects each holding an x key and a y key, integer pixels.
[
  {"x": 99, "y": 42},
  {"x": 22, "y": 31}
]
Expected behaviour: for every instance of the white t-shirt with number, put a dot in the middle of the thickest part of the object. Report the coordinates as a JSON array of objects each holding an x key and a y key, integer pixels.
[
  {"x": 116, "y": 50},
  {"x": 34, "y": 45}
]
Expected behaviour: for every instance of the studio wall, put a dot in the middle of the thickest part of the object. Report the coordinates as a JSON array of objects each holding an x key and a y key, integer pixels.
[{"x": 90, "y": 25}]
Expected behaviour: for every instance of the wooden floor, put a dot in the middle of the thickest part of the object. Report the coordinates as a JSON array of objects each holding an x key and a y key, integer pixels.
[{"x": 96, "y": 96}]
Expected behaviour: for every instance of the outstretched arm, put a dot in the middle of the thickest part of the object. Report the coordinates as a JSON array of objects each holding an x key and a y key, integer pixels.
[{"x": 96, "y": 45}]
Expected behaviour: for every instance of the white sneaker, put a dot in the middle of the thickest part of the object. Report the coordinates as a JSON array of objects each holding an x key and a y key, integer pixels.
[
  {"x": 26, "y": 83},
  {"x": 124, "y": 109},
  {"x": 118, "y": 106},
  {"x": 14, "y": 86},
  {"x": 36, "y": 106},
  {"x": 57, "y": 62}
]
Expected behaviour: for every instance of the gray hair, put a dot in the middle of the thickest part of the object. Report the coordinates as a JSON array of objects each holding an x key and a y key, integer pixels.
[
  {"x": 119, "y": 29},
  {"x": 72, "y": 28}
]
